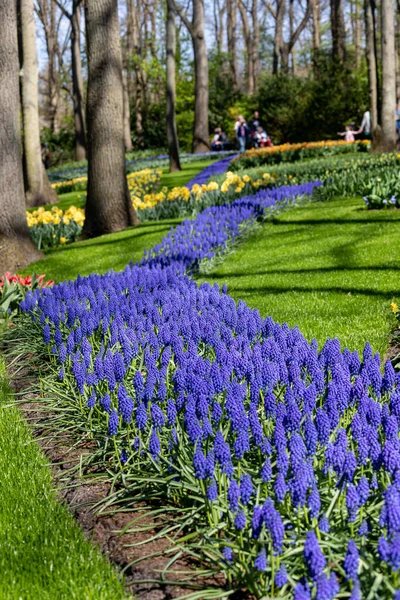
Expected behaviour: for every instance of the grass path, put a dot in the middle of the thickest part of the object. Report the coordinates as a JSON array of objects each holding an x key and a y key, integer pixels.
[
  {"x": 330, "y": 268},
  {"x": 43, "y": 553}
]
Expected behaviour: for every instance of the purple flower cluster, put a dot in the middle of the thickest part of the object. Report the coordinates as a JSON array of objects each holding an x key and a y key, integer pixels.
[
  {"x": 217, "y": 168},
  {"x": 288, "y": 444},
  {"x": 212, "y": 229}
]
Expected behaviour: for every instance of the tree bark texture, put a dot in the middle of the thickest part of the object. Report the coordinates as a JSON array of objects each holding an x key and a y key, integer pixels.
[
  {"x": 249, "y": 48},
  {"x": 172, "y": 134},
  {"x": 278, "y": 37},
  {"x": 397, "y": 55},
  {"x": 16, "y": 248},
  {"x": 38, "y": 189},
  {"x": 77, "y": 82},
  {"x": 338, "y": 31},
  {"x": 388, "y": 76},
  {"x": 371, "y": 62},
  {"x": 231, "y": 25},
  {"x": 256, "y": 43},
  {"x": 127, "y": 113},
  {"x": 135, "y": 50},
  {"x": 200, "y": 138},
  {"x": 108, "y": 206},
  {"x": 47, "y": 15}
]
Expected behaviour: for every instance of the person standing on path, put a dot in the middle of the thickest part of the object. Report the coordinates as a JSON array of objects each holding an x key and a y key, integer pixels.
[
  {"x": 365, "y": 127},
  {"x": 241, "y": 134}
]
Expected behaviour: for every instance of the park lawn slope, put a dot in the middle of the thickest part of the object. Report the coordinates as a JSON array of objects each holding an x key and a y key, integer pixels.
[
  {"x": 98, "y": 255},
  {"x": 43, "y": 553},
  {"x": 330, "y": 268}
]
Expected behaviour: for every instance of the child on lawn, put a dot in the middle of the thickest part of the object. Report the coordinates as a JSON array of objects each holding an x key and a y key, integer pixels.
[{"x": 348, "y": 134}]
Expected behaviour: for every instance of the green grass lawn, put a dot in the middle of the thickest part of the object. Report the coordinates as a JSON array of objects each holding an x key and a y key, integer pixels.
[
  {"x": 43, "y": 553},
  {"x": 113, "y": 251},
  {"x": 330, "y": 268}
]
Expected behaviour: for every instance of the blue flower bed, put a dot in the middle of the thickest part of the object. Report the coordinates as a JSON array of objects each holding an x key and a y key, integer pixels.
[
  {"x": 288, "y": 455},
  {"x": 217, "y": 168}
]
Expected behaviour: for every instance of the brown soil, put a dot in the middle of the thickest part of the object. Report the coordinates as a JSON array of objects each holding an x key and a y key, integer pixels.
[
  {"x": 16, "y": 254},
  {"x": 104, "y": 530}
]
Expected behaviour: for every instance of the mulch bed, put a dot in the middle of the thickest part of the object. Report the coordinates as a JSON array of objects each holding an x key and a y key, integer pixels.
[{"x": 104, "y": 530}]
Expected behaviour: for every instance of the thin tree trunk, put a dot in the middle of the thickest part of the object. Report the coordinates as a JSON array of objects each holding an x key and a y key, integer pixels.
[
  {"x": 138, "y": 87},
  {"x": 77, "y": 82},
  {"x": 108, "y": 206},
  {"x": 278, "y": 37},
  {"x": 371, "y": 62},
  {"x": 127, "y": 113},
  {"x": 172, "y": 135},
  {"x": 316, "y": 35},
  {"x": 338, "y": 31},
  {"x": 388, "y": 77},
  {"x": 231, "y": 8},
  {"x": 291, "y": 29},
  {"x": 397, "y": 55},
  {"x": 38, "y": 188},
  {"x": 16, "y": 248},
  {"x": 54, "y": 80},
  {"x": 200, "y": 139},
  {"x": 256, "y": 43},
  {"x": 249, "y": 48},
  {"x": 357, "y": 34}
]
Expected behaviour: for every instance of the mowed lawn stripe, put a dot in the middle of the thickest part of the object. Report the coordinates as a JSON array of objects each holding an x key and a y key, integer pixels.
[{"x": 330, "y": 268}]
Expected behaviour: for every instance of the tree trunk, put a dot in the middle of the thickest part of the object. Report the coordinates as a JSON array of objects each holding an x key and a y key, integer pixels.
[
  {"x": 127, "y": 113},
  {"x": 138, "y": 89},
  {"x": 38, "y": 188},
  {"x": 16, "y": 247},
  {"x": 77, "y": 82},
  {"x": 256, "y": 44},
  {"x": 54, "y": 79},
  {"x": 357, "y": 34},
  {"x": 291, "y": 29},
  {"x": 108, "y": 206},
  {"x": 249, "y": 48},
  {"x": 200, "y": 139},
  {"x": 338, "y": 31},
  {"x": 388, "y": 77},
  {"x": 316, "y": 35},
  {"x": 172, "y": 135},
  {"x": 278, "y": 37},
  {"x": 371, "y": 62},
  {"x": 398, "y": 55},
  {"x": 231, "y": 7}
]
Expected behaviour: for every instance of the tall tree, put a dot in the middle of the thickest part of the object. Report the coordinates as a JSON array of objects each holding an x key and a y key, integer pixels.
[
  {"x": 16, "y": 248},
  {"x": 256, "y": 42},
  {"x": 371, "y": 62},
  {"x": 231, "y": 25},
  {"x": 283, "y": 48},
  {"x": 135, "y": 53},
  {"x": 38, "y": 188},
  {"x": 248, "y": 39},
  {"x": 74, "y": 18},
  {"x": 108, "y": 206},
  {"x": 388, "y": 76},
  {"x": 316, "y": 35},
  {"x": 46, "y": 11},
  {"x": 172, "y": 134},
  {"x": 338, "y": 31},
  {"x": 196, "y": 28}
]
